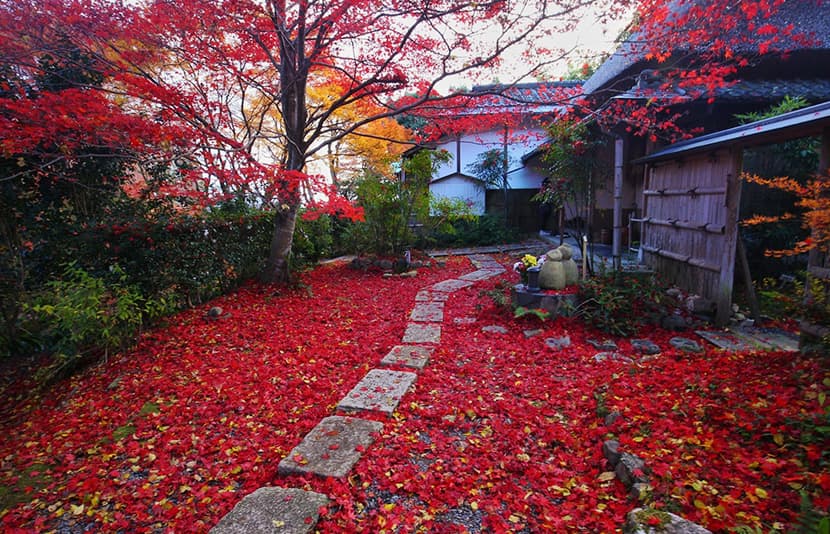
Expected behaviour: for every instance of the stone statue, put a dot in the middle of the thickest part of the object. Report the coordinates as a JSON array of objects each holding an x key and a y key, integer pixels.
[{"x": 559, "y": 269}]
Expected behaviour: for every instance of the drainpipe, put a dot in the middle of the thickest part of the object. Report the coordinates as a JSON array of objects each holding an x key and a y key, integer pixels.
[{"x": 616, "y": 246}]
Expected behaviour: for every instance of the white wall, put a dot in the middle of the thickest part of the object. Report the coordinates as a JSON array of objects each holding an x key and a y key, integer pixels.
[{"x": 520, "y": 142}]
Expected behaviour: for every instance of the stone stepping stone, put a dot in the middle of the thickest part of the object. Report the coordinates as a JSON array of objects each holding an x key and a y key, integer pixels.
[
  {"x": 494, "y": 329},
  {"x": 426, "y": 295},
  {"x": 415, "y": 356},
  {"x": 331, "y": 448},
  {"x": 380, "y": 390},
  {"x": 685, "y": 344},
  {"x": 604, "y": 345},
  {"x": 612, "y": 356},
  {"x": 558, "y": 343},
  {"x": 451, "y": 285},
  {"x": 422, "y": 333},
  {"x": 481, "y": 274},
  {"x": 775, "y": 338},
  {"x": 730, "y": 341},
  {"x": 464, "y": 320},
  {"x": 427, "y": 312},
  {"x": 645, "y": 346},
  {"x": 273, "y": 511}
]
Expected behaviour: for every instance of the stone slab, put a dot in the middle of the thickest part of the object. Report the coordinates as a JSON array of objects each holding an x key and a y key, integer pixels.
[
  {"x": 273, "y": 511},
  {"x": 380, "y": 390},
  {"x": 415, "y": 356},
  {"x": 426, "y": 295},
  {"x": 775, "y": 338},
  {"x": 427, "y": 312},
  {"x": 422, "y": 333},
  {"x": 730, "y": 341},
  {"x": 451, "y": 285},
  {"x": 481, "y": 274},
  {"x": 330, "y": 449}
]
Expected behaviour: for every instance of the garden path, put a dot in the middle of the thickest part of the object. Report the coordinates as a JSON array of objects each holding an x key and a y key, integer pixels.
[{"x": 333, "y": 447}]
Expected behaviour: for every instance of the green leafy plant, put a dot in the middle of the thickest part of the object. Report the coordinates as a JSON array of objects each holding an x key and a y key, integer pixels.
[
  {"x": 87, "y": 316},
  {"x": 539, "y": 313},
  {"x": 619, "y": 303}
]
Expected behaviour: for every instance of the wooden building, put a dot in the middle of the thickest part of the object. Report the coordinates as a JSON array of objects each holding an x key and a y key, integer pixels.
[{"x": 691, "y": 196}]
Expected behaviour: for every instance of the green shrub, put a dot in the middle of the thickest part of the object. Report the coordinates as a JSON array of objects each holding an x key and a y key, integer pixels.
[
  {"x": 470, "y": 231},
  {"x": 87, "y": 315},
  {"x": 619, "y": 303}
]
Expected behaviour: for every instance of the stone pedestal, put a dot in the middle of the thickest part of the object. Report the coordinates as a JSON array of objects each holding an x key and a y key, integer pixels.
[{"x": 555, "y": 304}]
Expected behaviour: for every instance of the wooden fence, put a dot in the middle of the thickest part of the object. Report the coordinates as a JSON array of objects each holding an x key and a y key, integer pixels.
[{"x": 689, "y": 223}]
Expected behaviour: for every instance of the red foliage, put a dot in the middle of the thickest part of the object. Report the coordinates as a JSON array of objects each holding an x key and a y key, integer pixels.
[{"x": 172, "y": 434}]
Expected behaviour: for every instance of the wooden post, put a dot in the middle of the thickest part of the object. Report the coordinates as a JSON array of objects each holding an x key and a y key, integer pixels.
[
  {"x": 616, "y": 242},
  {"x": 730, "y": 238},
  {"x": 750, "y": 288}
]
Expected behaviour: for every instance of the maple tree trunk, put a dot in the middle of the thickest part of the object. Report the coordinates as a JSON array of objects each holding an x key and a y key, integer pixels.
[{"x": 277, "y": 268}]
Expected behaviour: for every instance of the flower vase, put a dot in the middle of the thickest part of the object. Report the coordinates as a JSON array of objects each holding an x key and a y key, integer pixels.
[{"x": 532, "y": 283}]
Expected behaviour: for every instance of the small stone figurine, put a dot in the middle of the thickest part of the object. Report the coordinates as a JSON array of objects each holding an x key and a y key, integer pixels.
[{"x": 559, "y": 269}]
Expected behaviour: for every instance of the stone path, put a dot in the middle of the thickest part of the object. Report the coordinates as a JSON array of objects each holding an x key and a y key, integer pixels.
[{"x": 333, "y": 446}]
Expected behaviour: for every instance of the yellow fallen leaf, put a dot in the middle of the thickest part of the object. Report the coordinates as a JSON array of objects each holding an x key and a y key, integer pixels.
[
  {"x": 606, "y": 476},
  {"x": 761, "y": 492}
]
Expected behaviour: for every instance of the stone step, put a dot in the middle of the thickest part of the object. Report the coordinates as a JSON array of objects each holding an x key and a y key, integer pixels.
[
  {"x": 422, "y": 333},
  {"x": 451, "y": 285},
  {"x": 481, "y": 274},
  {"x": 273, "y": 510},
  {"x": 331, "y": 448},
  {"x": 415, "y": 356},
  {"x": 380, "y": 391},
  {"x": 427, "y": 312},
  {"x": 427, "y": 295}
]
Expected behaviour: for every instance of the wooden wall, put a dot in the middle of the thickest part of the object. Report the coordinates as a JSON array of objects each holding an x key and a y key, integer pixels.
[{"x": 690, "y": 223}]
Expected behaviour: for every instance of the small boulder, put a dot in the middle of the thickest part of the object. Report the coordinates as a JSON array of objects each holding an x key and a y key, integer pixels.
[
  {"x": 611, "y": 451},
  {"x": 645, "y": 346},
  {"x": 630, "y": 469},
  {"x": 649, "y": 521},
  {"x": 558, "y": 343},
  {"x": 685, "y": 344}
]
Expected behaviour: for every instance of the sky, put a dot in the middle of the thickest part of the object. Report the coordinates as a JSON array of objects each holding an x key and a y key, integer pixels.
[{"x": 589, "y": 41}]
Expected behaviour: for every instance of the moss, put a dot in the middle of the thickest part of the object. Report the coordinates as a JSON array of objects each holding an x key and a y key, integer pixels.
[
  {"x": 646, "y": 517},
  {"x": 33, "y": 477}
]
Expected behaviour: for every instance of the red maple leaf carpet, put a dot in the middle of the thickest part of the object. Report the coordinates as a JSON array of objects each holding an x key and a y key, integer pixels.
[{"x": 499, "y": 433}]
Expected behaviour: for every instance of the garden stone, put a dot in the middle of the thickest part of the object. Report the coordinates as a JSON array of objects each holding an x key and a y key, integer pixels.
[
  {"x": 426, "y": 295},
  {"x": 645, "y": 346},
  {"x": 558, "y": 343},
  {"x": 612, "y": 356},
  {"x": 630, "y": 469},
  {"x": 386, "y": 265},
  {"x": 673, "y": 322},
  {"x": 604, "y": 345},
  {"x": 481, "y": 274},
  {"x": 611, "y": 451},
  {"x": 670, "y": 523},
  {"x": 380, "y": 390},
  {"x": 422, "y": 333},
  {"x": 330, "y": 449},
  {"x": 494, "y": 329},
  {"x": 464, "y": 320},
  {"x": 685, "y": 344},
  {"x": 612, "y": 418},
  {"x": 451, "y": 285},
  {"x": 415, "y": 356},
  {"x": 273, "y": 510},
  {"x": 430, "y": 312},
  {"x": 532, "y": 333}
]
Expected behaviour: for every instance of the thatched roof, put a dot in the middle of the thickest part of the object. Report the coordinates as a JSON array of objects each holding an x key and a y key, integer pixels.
[{"x": 808, "y": 17}]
